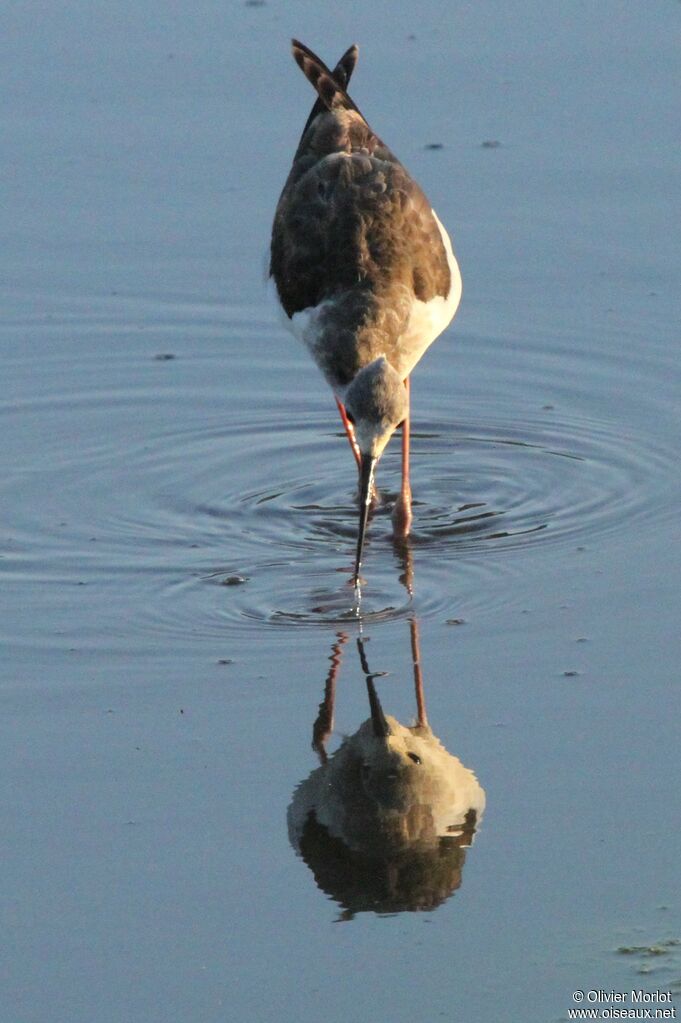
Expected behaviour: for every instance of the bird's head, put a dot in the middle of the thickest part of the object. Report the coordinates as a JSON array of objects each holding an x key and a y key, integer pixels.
[{"x": 376, "y": 403}]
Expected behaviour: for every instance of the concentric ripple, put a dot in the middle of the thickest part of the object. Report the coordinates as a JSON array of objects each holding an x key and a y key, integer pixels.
[{"x": 222, "y": 492}]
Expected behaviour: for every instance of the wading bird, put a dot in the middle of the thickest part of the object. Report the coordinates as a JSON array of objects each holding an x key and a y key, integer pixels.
[{"x": 364, "y": 272}]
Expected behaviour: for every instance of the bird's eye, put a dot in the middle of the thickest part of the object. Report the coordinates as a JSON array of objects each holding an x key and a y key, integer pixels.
[
  {"x": 350, "y": 417},
  {"x": 414, "y": 757}
]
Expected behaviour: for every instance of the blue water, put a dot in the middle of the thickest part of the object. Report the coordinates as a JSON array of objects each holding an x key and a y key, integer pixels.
[{"x": 178, "y": 518}]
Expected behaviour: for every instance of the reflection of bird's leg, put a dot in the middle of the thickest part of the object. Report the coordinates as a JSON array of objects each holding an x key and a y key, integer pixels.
[
  {"x": 350, "y": 432},
  {"x": 402, "y": 511},
  {"x": 421, "y": 716},
  {"x": 323, "y": 726},
  {"x": 405, "y": 555}
]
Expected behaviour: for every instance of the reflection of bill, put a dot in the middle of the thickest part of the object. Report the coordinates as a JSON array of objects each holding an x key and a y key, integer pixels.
[{"x": 384, "y": 823}]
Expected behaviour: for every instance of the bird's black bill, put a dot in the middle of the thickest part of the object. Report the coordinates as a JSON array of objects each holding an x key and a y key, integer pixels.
[
  {"x": 366, "y": 478},
  {"x": 378, "y": 719}
]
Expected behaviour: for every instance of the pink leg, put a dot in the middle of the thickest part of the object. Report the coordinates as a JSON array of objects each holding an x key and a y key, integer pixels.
[
  {"x": 402, "y": 516},
  {"x": 350, "y": 432}
]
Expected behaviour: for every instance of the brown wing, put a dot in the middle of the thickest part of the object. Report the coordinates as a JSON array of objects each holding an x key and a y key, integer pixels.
[{"x": 354, "y": 220}]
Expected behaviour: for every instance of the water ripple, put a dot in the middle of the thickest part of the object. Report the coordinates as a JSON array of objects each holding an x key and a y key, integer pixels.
[{"x": 160, "y": 479}]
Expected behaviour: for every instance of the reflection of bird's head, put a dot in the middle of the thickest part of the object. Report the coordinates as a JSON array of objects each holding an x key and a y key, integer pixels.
[
  {"x": 376, "y": 403},
  {"x": 407, "y": 770},
  {"x": 397, "y": 765},
  {"x": 402, "y": 768}
]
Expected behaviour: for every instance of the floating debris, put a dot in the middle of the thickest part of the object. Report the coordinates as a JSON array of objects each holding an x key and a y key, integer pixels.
[
  {"x": 660, "y": 949},
  {"x": 490, "y": 144},
  {"x": 234, "y": 580},
  {"x": 164, "y": 357},
  {"x": 434, "y": 145}
]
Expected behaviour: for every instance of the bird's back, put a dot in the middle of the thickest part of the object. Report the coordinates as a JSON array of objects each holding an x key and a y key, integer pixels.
[{"x": 356, "y": 249}]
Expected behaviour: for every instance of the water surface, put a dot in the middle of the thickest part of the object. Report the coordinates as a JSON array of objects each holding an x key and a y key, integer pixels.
[{"x": 179, "y": 521}]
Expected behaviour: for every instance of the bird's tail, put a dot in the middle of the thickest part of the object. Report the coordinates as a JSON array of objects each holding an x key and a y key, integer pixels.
[
  {"x": 346, "y": 65},
  {"x": 341, "y": 74},
  {"x": 330, "y": 85}
]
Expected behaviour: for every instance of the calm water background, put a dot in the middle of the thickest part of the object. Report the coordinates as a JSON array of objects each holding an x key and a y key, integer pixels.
[{"x": 147, "y": 873}]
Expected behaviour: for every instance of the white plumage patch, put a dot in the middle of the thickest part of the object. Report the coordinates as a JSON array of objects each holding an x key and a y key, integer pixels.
[{"x": 427, "y": 320}]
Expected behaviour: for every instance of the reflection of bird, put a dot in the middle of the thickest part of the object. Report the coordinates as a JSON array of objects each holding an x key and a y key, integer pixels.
[
  {"x": 364, "y": 271},
  {"x": 385, "y": 821}
]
